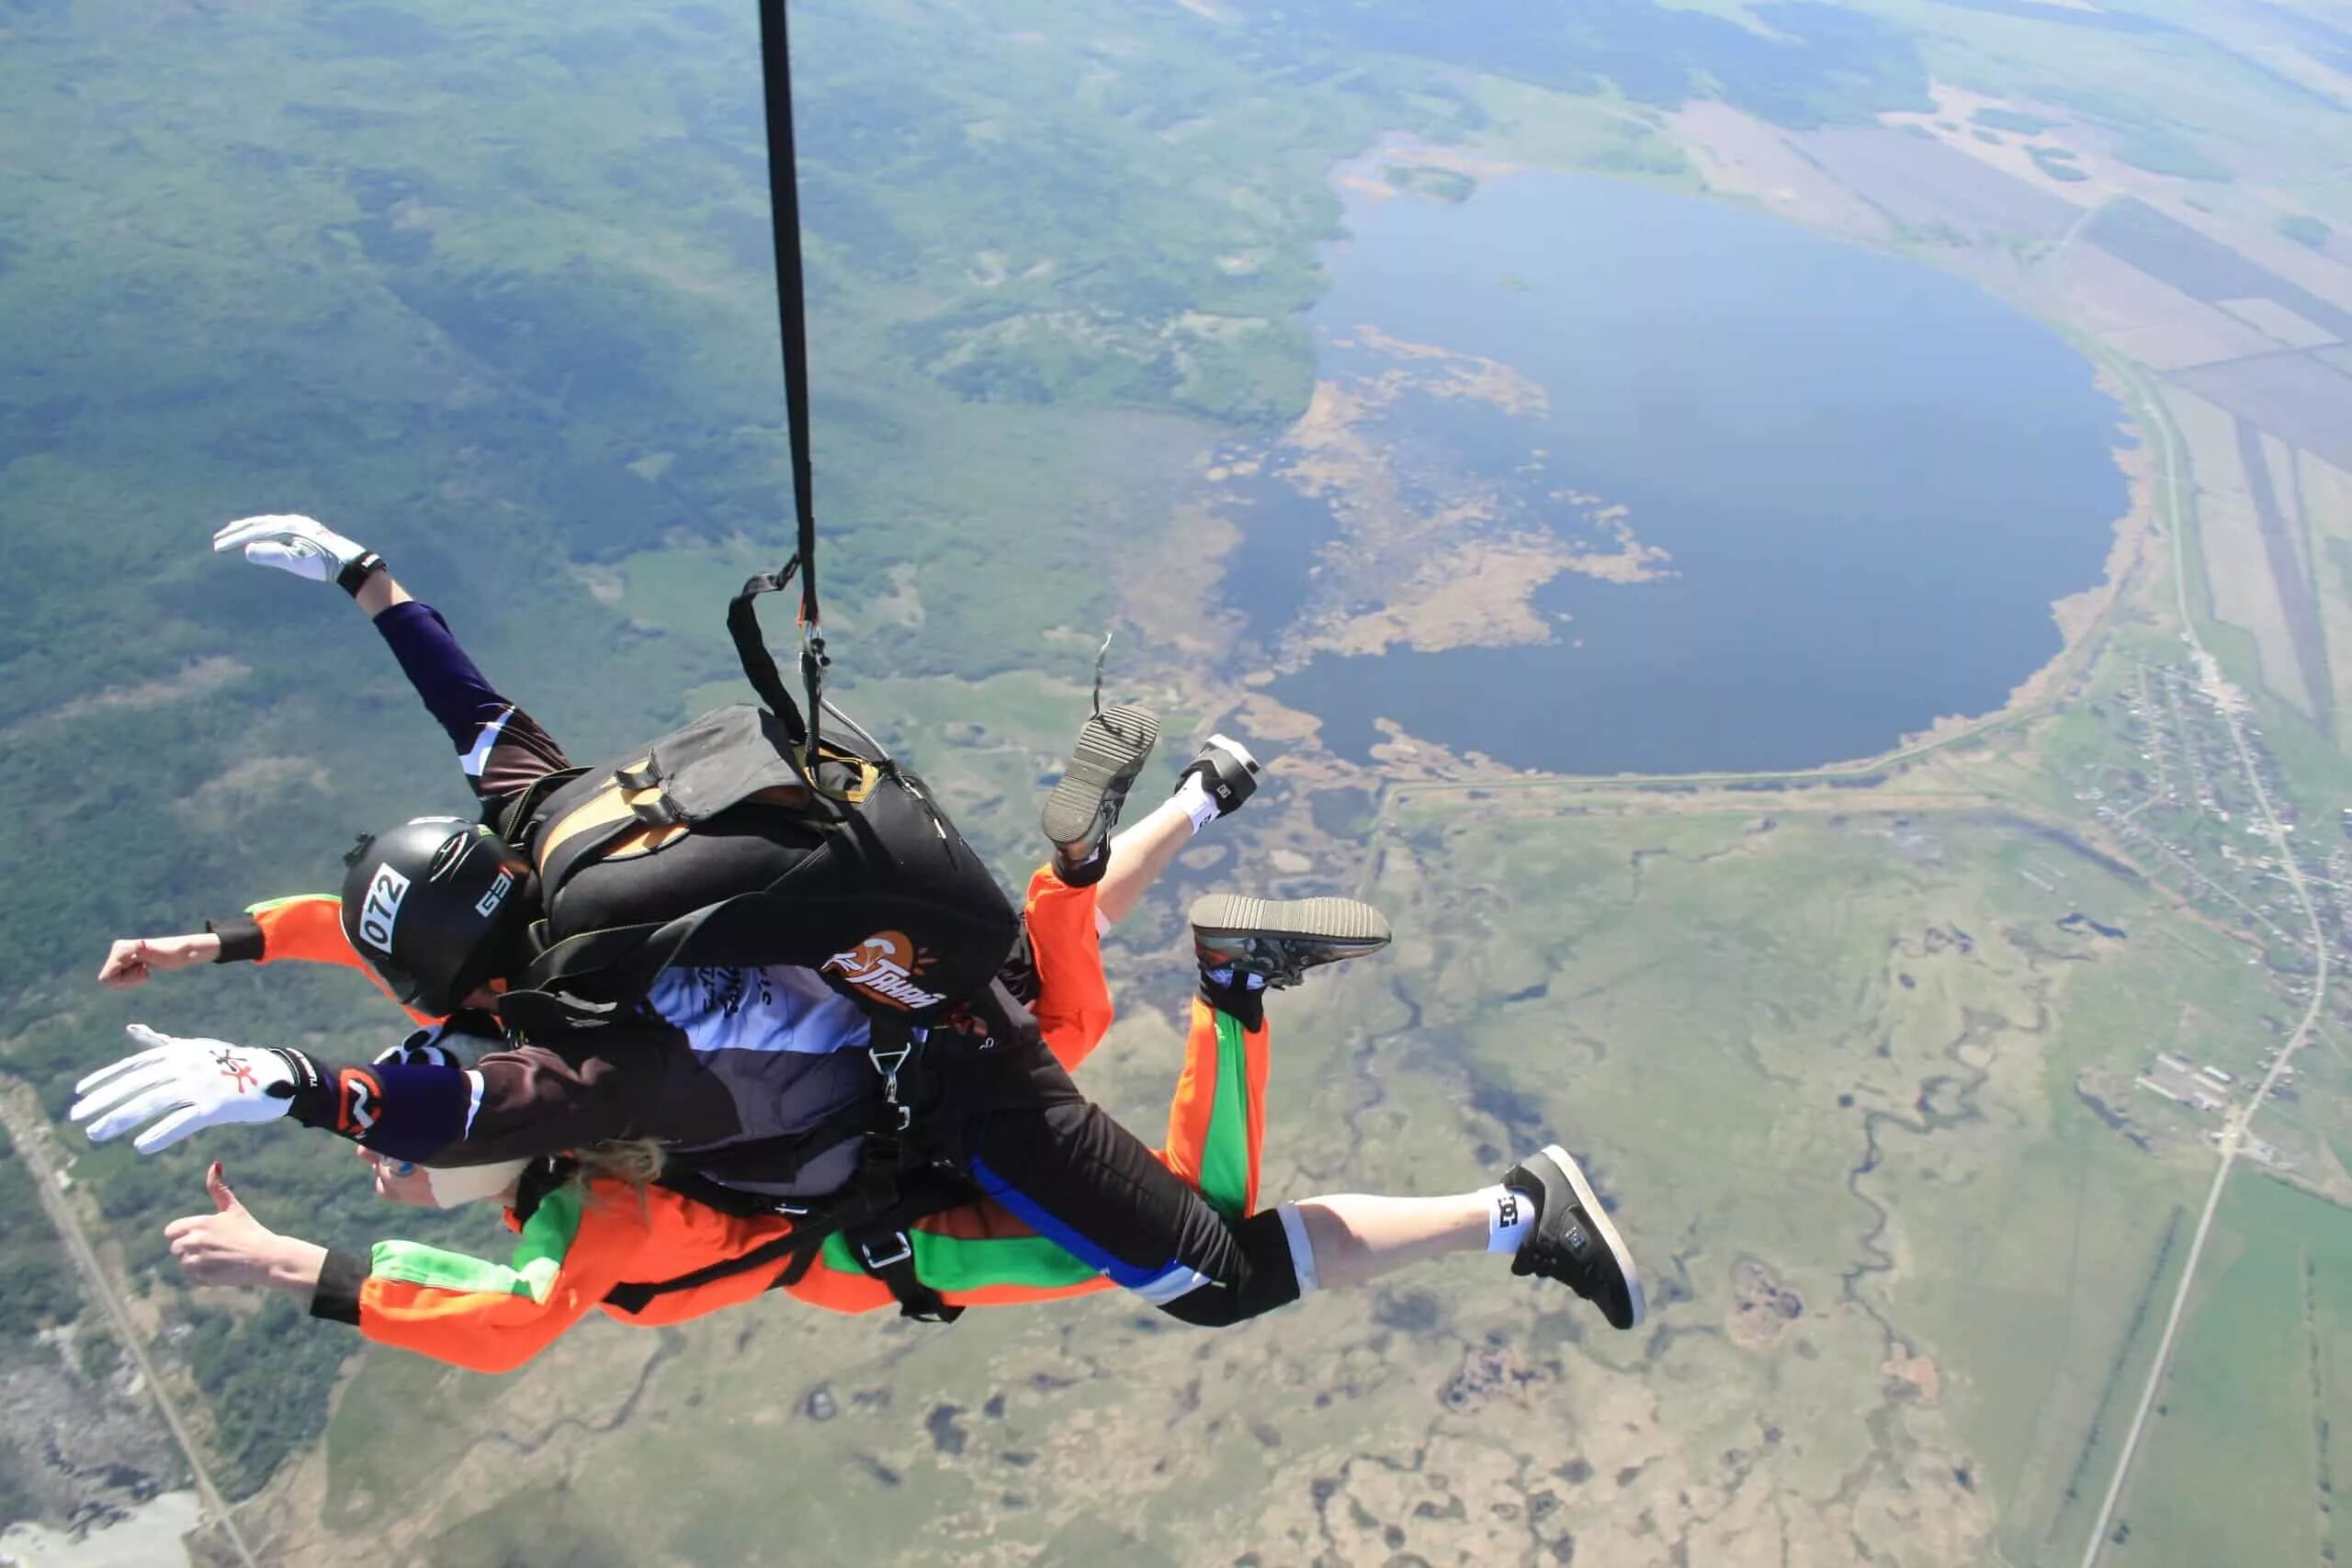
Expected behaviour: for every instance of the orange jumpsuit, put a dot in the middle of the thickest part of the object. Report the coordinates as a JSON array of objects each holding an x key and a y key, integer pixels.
[{"x": 583, "y": 1240}]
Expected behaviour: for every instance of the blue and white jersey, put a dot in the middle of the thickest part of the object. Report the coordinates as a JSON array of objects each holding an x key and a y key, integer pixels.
[
  {"x": 762, "y": 1012},
  {"x": 788, "y": 1050}
]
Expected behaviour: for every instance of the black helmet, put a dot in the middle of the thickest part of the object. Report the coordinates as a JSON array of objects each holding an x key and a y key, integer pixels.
[{"x": 436, "y": 906}]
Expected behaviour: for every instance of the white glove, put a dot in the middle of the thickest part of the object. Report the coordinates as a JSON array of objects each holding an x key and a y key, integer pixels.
[
  {"x": 182, "y": 1085},
  {"x": 303, "y": 546}
]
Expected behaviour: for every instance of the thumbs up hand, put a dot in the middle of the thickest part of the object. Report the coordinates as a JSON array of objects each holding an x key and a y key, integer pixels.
[
  {"x": 216, "y": 1187},
  {"x": 229, "y": 1246}
]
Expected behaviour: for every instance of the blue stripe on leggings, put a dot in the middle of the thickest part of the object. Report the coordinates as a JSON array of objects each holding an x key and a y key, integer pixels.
[{"x": 1132, "y": 1276}]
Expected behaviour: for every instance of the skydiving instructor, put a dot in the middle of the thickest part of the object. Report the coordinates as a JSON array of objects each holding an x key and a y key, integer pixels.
[{"x": 766, "y": 1074}]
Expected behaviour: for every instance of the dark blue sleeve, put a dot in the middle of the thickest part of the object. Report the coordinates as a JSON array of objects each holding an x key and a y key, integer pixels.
[
  {"x": 503, "y": 748},
  {"x": 405, "y": 1112},
  {"x": 424, "y": 1110},
  {"x": 455, "y": 691}
]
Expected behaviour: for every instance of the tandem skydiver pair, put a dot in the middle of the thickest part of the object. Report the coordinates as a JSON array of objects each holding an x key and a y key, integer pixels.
[{"x": 830, "y": 1096}]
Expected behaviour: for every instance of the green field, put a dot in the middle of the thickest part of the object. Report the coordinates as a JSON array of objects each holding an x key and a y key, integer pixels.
[
  {"x": 2246, "y": 1444},
  {"x": 491, "y": 292},
  {"x": 489, "y": 287},
  {"x": 2018, "y": 1236},
  {"x": 1723, "y": 1030}
]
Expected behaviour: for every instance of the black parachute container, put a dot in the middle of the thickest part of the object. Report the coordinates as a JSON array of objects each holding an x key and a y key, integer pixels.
[{"x": 745, "y": 838}]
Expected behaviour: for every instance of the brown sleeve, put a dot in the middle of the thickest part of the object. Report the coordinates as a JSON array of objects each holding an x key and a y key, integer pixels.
[
  {"x": 522, "y": 754},
  {"x": 537, "y": 1099}
]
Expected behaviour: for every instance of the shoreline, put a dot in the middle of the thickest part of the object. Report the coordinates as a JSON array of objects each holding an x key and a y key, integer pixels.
[{"x": 2080, "y": 617}]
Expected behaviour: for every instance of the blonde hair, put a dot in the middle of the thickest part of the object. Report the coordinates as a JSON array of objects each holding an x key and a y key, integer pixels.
[{"x": 636, "y": 1161}]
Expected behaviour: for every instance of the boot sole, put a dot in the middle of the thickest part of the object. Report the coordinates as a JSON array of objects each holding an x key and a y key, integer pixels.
[
  {"x": 1112, "y": 748},
  {"x": 1589, "y": 1202},
  {"x": 1321, "y": 920}
]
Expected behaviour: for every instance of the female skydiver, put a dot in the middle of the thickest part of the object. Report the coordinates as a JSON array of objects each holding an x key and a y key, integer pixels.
[
  {"x": 594, "y": 1232},
  {"x": 717, "y": 1064}
]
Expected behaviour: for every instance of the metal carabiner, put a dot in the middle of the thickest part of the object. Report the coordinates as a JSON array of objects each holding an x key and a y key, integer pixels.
[{"x": 887, "y": 1063}]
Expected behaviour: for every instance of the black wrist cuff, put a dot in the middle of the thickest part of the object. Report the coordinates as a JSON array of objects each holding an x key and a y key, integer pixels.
[
  {"x": 241, "y": 940},
  {"x": 312, "y": 1096},
  {"x": 336, "y": 1296},
  {"x": 350, "y": 578},
  {"x": 1235, "y": 1000}
]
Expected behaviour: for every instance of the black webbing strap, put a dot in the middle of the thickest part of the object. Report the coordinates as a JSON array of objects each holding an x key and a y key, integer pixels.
[
  {"x": 883, "y": 1250},
  {"x": 792, "y": 319},
  {"x": 759, "y": 665},
  {"x": 801, "y": 1245},
  {"x": 888, "y": 1253},
  {"x": 878, "y": 1203},
  {"x": 512, "y": 821}
]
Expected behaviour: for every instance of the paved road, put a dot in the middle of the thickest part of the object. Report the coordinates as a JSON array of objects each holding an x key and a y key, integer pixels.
[
  {"x": 2234, "y": 1132},
  {"x": 31, "y": 1141}
]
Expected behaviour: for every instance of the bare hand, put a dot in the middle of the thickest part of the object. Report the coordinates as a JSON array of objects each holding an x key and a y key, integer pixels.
[
  {"x": 131, "y": 961},
  {"x": 400, "y": 1181},
  {"x": 229, "y": 1246}
]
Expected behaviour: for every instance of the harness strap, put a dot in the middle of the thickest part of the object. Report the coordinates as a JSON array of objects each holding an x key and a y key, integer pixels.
[
  {"x": 893, "y": 1186},
  {"x": 512, "y": 821},
  {"x": 888, "y": 1253},
  {"x": 795, "y": 1244},
  {"x": 759, "y": 665},
  {"x": 792, "y": 321},
  {"x": 877, "y": 1207}
]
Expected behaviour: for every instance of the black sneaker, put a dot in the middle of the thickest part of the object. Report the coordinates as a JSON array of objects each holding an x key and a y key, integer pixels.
[
  {"x": 1280, "y": 941},
  {"x": 1572, "y": 1240},
  {"x": 1227, "y": 770},
  {"x": 1111, "y": 748}
]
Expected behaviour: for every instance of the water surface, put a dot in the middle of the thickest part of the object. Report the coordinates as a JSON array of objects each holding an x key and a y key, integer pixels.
[{"x": 1873, "y": 479}]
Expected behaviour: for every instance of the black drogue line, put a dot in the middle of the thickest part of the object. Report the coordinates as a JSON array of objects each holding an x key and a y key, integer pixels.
[
  {"x": 792, "y": 321},
  {"x": 1101, "y": 654}
]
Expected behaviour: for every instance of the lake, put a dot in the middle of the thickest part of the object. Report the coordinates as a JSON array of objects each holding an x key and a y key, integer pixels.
[{"x": 1872, "y": 478}]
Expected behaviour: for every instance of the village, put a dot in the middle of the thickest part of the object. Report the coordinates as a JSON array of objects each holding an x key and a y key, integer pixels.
[
  {"x": 2184, "y": 809},
  {"x": 2182, "y": 806},
  {"x": 2206, "y": 1090}
]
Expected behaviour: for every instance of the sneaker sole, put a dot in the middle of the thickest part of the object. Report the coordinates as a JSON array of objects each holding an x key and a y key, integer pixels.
[
  {"x": 1112, "y": 748},
  {"x": 1327, "y": 920},
  {"x": 1589, "y": 1202}
]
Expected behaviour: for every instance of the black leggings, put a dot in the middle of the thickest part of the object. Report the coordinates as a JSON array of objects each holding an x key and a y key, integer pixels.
[{"x": 1023, "y": 1131}]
